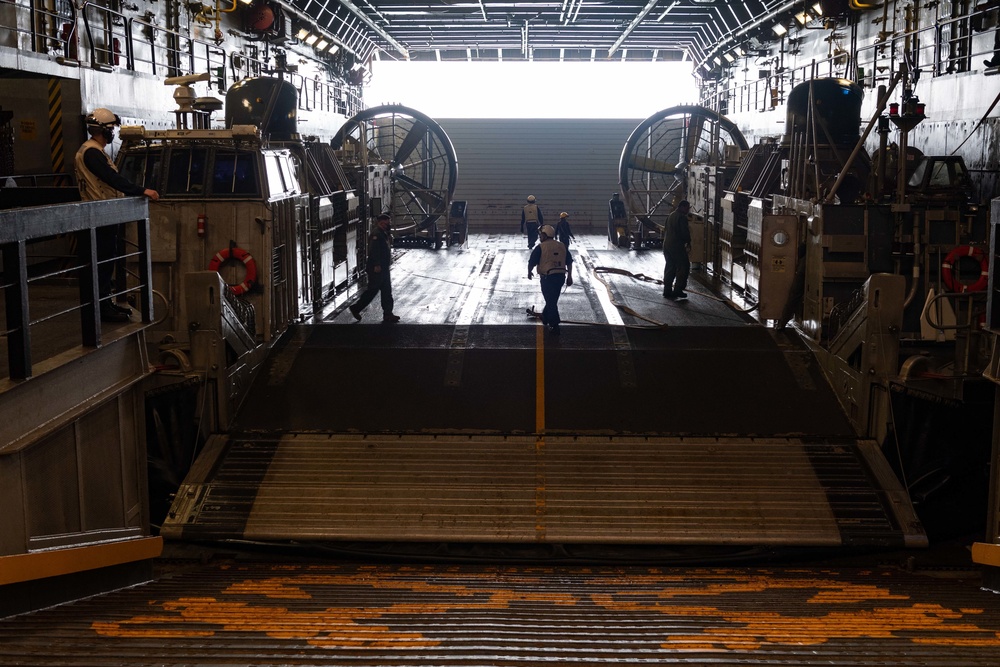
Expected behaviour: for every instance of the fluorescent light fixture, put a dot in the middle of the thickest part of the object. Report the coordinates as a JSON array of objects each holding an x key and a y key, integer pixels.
[
  {"x": 728, "y": 56},
  {"x": 322, "y": 44},
  {"x": 311, "y": 39},
  {"x": 302, "y": 34},
  {"x": 718, "y": 61},
  {"x": 818, "y": 8},
  {"x": 803, "y": 18},
  {"x": 334, "y": 48},
  {"x": 779, "y": 29},
  {"x": 739, "y": 51},
  {"x": 247, "y": 2}
]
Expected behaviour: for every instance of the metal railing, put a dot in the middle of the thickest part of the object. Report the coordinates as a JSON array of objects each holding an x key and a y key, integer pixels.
[
  {"x": 115, "y": 41},
  {"x": 42, "y": 298},
  {"x": 948, "y": 46}
]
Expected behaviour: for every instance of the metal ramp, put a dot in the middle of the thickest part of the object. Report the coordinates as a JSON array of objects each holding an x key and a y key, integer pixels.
[{"x": 500, "y": 435}]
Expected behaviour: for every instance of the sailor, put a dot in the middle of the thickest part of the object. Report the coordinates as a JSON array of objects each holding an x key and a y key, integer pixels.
[
  {"x": 531, "y": 220},
  {"x": 98, "y": 180},
  {"x": 676, "y": 244},
  {"x": 555, "y": 268},
  {"x": 563, "y": 231},
  {"x": 379, "y": 277}
]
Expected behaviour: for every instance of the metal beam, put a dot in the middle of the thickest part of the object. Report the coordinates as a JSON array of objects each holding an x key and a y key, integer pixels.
[
  {"x": 631, "y": 26},
  {"x": 374, "y": 27}
]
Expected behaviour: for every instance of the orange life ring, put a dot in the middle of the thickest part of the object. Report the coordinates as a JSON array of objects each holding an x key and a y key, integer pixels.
[
  {"x": 242, "y": 255},
  {"x": 951, "y": 280}
]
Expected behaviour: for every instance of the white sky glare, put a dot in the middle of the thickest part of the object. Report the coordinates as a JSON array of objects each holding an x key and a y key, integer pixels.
[{"x": 538, "y": 89}]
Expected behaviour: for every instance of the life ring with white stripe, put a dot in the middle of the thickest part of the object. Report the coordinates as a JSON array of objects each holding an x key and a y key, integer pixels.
[
  {"x": 948, "y": 274},
  {"x": 241, "y": 255}
]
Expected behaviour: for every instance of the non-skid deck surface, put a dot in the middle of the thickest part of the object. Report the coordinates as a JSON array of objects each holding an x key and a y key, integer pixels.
[
  {"x": 694, "y": 381},
  {"x": 540, "y": 489},
  {"x": 469, "y": 423},
  {"x": 316, "y": 613}
]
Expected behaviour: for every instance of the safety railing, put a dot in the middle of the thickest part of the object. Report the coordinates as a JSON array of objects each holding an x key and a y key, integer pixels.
[
  {"x": 27, "y": 25},
  {"x": 114, "y": 41},
  {"x": 948, "y": 46},
  {"x": 44, "y": 302}
]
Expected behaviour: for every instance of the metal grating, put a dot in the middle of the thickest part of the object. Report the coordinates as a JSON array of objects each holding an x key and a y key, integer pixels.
[
  {"x": 315, "y": 613},
  {"x": 705, "y": 491}
]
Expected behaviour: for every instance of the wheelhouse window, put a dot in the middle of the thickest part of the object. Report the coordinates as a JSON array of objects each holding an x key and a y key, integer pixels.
[
  {"x": 234, "y": 173},
  {"x": 143, "y": 168},
  {"x": 186, "y": 173}
]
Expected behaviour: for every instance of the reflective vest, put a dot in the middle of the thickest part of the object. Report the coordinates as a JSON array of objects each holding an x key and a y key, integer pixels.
[
  {"x": 91, "y": 187},
  {"x": 531, "y": 213},
  {"x": 553, "y": 258}
]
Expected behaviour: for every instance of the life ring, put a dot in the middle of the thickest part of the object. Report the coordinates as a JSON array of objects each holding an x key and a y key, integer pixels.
[
  {"x": 951, "y": 280},
  {"x": 242, "y": 255}
]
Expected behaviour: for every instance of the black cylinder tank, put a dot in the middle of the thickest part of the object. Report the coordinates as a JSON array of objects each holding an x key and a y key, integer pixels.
[
  {"x": 270, "y": 104},
  {"x": 837, "y": 103}
]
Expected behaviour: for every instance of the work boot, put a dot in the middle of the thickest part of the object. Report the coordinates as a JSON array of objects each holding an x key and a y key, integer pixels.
[
  {"x": 355, "y": 312},
  {"x": 678, "y": 294},
  {"x": 120, "y": 308},
  {"x": 669, "y": 295},
  {"x": 111, "y": 314},
  {"x": 390, "y": 319}
]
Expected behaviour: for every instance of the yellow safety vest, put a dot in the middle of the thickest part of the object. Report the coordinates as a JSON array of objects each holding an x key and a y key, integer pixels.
[{"x": 91, "y": 187}]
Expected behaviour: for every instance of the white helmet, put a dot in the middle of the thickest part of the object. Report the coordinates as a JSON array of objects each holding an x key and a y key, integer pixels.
[
  {"x": 531, "y": 198},
  {"x": 103, "y": 118},
  {"x": 564, "y": 214},
  {"x": 548, "y": 231}
]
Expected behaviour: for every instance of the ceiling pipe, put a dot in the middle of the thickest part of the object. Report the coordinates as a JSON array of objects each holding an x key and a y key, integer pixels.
[
  {"x": 734, "y": 35},
  {"x": 377, "y": 29},
  {"x": 631, "y": 26}
]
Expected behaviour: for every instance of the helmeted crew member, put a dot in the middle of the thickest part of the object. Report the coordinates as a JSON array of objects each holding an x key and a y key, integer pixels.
[
  {"x": 563, "y": 231},
  {"x": 98, "y": 180},
  {"x": 531, "y": 220},
  {"x": 555, "y": 267},
  {"x": 676, "y": 244},
  {"x": 377, "y": 267}
]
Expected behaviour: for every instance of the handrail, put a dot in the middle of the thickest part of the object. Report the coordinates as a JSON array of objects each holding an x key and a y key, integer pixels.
[
  {"x": 971, "y": 296},
  {"x": 865, "y": 56},
  {"x": 109, "y": 49},
  {"x": 79, "y": 221}
]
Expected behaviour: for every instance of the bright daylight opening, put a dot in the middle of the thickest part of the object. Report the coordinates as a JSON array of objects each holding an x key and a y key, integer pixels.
[{"x": 532, "y": 89}]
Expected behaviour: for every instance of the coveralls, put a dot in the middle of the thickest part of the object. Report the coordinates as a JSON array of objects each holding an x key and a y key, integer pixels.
[
  {"x": 677, "y": 265},
  {"x": 380, "y": 281},
  {"x": 531, "y": 220},
  {"x": 563, "y": 232},
  {"x": 99, "y": 180},
  {"x": 553, "y": 261}
]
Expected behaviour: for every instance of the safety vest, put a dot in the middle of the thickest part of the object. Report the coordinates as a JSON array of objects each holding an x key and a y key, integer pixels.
[
  {"x": 553, "y": 259},
  {"x": 91, "y": 187},
  {"x": 531, "y": 213}
]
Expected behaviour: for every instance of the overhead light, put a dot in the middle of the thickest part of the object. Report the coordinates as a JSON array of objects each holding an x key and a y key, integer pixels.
[
  {"x": 247, "y": 2},
  {"x": 739, "y": 51},
  {"x": 322, "y": 44},
  {"x": 779, "y": 29},
  {"x": 803, "y": 18},
  {"x": 818, "y": 8},
  {"x": 334, "y": 48},
  {"x": 728, "y": 56},
  {"x": 717, "y": 60},
  {"x": 301, "y": 34},
  {"x": 311, "y": 39}
]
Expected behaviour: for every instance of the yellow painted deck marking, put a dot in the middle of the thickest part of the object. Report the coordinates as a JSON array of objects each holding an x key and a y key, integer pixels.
[{"x": 540, "y": 433}]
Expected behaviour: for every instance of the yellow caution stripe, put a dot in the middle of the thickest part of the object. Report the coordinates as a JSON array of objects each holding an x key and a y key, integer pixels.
[{"x": 44, "y": 564}]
